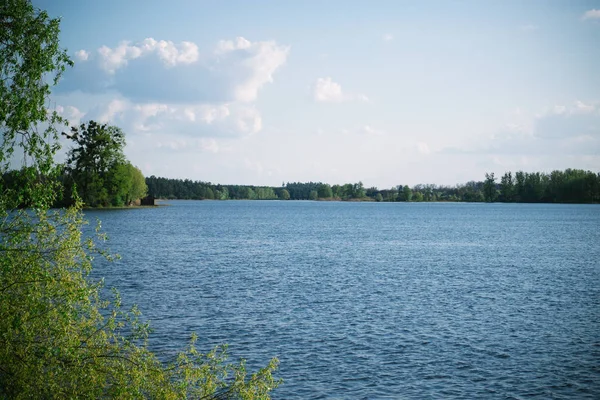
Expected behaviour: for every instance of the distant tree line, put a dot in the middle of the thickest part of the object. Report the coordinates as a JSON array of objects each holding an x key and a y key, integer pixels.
[{"x": 569, "y": 186}]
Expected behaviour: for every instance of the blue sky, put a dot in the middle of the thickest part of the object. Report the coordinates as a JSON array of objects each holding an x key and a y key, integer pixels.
[{"x": 386, "y": 92}]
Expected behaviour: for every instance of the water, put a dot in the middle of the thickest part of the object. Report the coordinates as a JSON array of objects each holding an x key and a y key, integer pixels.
[{"x": 373, "y": 300}]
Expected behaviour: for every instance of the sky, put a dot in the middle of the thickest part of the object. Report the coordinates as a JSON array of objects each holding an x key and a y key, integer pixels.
[{"x": 383, "y": 92}]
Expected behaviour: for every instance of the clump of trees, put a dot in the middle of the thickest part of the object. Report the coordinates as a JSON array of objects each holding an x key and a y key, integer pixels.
[
  {"x": 98, "y": 170},
  {"x": 568, "y": 186},
  {"x": 59, "y": 338}
]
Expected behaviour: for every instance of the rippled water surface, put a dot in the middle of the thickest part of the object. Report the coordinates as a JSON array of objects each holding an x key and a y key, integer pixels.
[{"x": 373, "y": 300}]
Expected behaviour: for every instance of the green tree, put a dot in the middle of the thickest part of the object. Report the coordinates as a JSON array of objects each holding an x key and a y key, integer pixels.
[
  {"x": 284, "y": 194},
  {"x": 520, "y": 186},
  {"x": 58, "y": 337},
  {"x": 325, "y": 191},
  {"x": 406, "y": 193},
  {"x": 125, "y": 184},
  {"x": 96, "y": 163},
  {"x": 30, "y": 62},
  {"x": 223, "y": 194},
  {"x": 358, "y": 191},
  {"x": 507, "y": 188},
  {"x": 489, "y": 188},
  {"x": 337, "y": 191},
  {"x": 313, "y": 195},
  {"x": 208, "y": 194}
]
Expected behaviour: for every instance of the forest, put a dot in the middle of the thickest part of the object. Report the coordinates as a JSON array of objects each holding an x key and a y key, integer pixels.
[{"x": 568, "y": 186}]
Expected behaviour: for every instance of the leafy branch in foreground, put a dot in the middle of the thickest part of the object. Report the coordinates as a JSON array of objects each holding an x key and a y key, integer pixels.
[{"x": 60, "y": 339}]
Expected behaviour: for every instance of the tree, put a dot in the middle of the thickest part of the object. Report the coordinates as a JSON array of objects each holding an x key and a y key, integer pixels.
[
  {"x": 284, "y": 194},
  {"x": 325, "y": 191},
  {"x": 313, "y": 195},
  {"x": 58, "y": 337},
  {"x": 507, "y": 189},
  {"x": 358, "y": 190},
  {"x": 519, "y": 186},
  {"x": 406, "y": 193},
  {"x": 30, "y": 61},
  {"x": 489, "y": 188},
  {"x": 125, "y": 184},
  {"x": 96, "y": 163}
]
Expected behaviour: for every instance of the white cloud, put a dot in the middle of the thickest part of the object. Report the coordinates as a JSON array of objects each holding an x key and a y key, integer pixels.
[
  {"x": 157, "y": 87},
  {"x": 180, "y": 144},
  {"x": 387, "y": 37},
  {"x": 326, "y": 90},
  {"x": 562, "y": 130},
  {"x": 112, "y": 59},
  {"x": 210, "y": 145},
  {"x": 591, "y": 14},
  {"x": 578, "y": 108},
  {"x": 559, "y": 110},
  {"x": 201, "y": 120},
  {"x": 159, "y": 70},
  {"x": 71, "y": 113},
  {"x": 151, "y": 109},
  {"x": 423, "y": 148},
  {"x": 369, "y": 130},
  {"x": 113, "y": 111},
  {"x": 253, "y": 62},
  {"x": 248, "y": 121},
  {"x": 82, "y": 55},
  {"x": 583, "y": 108},
  {"x": 225, "y": 46}
]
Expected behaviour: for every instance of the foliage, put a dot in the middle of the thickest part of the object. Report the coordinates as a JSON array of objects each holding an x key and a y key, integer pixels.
[
  {"x": 58, "y": 337},
  {"x": 489, "y": 188},
  {"x": 97, "y": 166},
  {"x": 30, "y": 61},
  {"x": 284, "y": 194},
  {"x": 61, "y": 340},
  {"x": 507, "y": 188},
  {"x": 406, "y": 193},
  {"x": 325, "y": 191},
  {"x": 571, "y": 185}
]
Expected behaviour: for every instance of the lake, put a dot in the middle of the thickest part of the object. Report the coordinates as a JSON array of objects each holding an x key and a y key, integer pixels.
[{"x": 373, "y": 300}]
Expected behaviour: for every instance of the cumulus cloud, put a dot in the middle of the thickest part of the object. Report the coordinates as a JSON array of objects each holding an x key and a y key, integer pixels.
[
  {"x": 575, "y": 121},
  {"x": 195, "y": 120},
  {"x": 171, "y": 54},
  {"x": 591, "y": 14},
  {"x": 72, "y": 114},
  {"x": 158, "y": 87},
  {"x": 562, "y": 130},
  {"x": 162, "y": 71},
  {"x": 249, "y": 65},
  {"x": 326, "y": 90},
  {"x": 188, "y": 144},
  {"x": 82, "y": 55},
  {"x": 423, "y": 148},
  {"x": 370, "y": 131}
]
